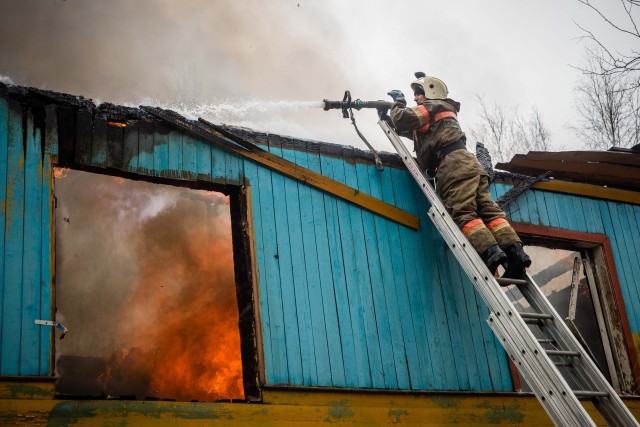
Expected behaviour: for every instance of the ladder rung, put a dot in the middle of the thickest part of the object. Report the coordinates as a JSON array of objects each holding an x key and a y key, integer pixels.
[
  {"x": 587, "y": 394},
  {"x": 545, "y": 341},
  {"x": 563, "y": 353},
  {"x": 538, "y": 316},
  {"x": 503, "y": 281}
]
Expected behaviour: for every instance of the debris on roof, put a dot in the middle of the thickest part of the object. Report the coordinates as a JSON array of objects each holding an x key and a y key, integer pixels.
[{"x": 615, "y": 168}]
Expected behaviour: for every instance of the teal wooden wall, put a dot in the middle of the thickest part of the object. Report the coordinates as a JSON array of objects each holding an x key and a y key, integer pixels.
[
  {"x": 25, "y": 255},
  {"x": 346, "y": 297},
  {"x": 350, "y": 299}
]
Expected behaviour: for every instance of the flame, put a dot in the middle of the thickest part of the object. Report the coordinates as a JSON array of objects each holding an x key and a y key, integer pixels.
[
  {"x": 183, "y": 319},
  {"x": 173, "y": 326},
  {"x": 119, "y": 124},
  {"x": 60, "y": 173}
]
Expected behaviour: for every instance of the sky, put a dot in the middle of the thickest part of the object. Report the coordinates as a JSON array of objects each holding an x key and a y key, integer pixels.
[{"x": 267, "y": 65}]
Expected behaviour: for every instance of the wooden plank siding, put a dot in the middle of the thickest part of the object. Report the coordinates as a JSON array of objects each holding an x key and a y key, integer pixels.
[
  {"x": 25, "y": 251},
  {"x": 34, "y": 404},
  {"x": 347, "y": 298}
]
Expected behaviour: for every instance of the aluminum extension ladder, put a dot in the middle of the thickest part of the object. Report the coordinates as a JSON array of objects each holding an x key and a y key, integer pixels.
[{"x": 539, "y": 366}]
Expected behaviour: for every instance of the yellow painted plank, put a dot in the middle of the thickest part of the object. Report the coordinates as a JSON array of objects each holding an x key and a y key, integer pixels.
[
  {"x": 439, "y": 408},
  {"x": 590, "y": 190},
  {"x": 341, "y": 412},
  {"x": 25, "y": 389},
  {"x": 293, "y": 408}
]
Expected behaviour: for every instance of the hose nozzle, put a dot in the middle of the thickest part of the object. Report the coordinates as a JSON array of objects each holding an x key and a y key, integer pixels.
[{"x": 358, "y": 104}]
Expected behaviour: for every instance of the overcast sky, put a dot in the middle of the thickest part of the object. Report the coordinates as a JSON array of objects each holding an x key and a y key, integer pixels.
[{"x": 260, "y": 64}]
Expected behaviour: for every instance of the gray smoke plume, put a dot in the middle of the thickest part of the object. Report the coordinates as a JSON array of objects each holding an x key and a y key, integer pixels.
[
  {"x": 187, "y": 55},
  {"x": 125, "y": 51}
]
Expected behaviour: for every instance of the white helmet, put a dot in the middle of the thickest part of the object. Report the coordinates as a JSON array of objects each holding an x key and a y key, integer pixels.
[{"x": 433, "y": 88}]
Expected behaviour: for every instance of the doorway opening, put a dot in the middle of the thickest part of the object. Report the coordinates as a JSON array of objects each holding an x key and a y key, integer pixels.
[{"x": 146, "y": 286}]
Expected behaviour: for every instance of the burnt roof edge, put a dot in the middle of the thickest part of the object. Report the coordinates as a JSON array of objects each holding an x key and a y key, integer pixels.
[{"x": 36, "y": 96}]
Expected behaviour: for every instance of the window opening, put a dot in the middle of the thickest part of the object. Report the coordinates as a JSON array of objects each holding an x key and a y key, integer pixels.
[
  {"x": 566, "y": 277},
  {"x": 145, "y": 286}
]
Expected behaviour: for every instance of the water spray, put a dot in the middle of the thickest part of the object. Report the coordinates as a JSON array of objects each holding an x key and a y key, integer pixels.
[
  {"x": 240, "y": 109},
  {"x": 347, "y": 105}
]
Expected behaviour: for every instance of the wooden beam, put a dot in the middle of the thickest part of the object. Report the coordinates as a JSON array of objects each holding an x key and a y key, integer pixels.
[
  {"x": 285, "y": 167},
  {"x": 302, "y": 407},
  {"x": 253, "y": 274},
  {"x": 612, "y": 157},
  {"x": 590, "y": 190},
  {"x": 590, "y": 172}
]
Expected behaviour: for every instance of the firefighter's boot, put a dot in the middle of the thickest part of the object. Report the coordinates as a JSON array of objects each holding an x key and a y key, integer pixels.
[
  {"x": 517, "y": 261},
  {"x": 493, "y": 257}
]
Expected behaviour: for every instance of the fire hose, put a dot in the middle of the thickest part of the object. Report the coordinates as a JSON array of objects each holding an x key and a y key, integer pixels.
[{"x": 347, "y": 105}]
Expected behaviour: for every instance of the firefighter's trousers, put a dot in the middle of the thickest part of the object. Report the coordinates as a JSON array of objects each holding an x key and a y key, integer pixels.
[{"x": 482, "y": 221}]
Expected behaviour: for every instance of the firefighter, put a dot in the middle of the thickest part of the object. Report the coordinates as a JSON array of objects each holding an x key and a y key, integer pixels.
[{"x": 461, "y": 182}]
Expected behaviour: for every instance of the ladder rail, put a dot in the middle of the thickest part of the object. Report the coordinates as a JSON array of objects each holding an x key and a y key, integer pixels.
[
  {"x": 590, "y": 377},
  {"x": 494, "y": 298},
  {"x": 558, "y": 329},
  {"x": 548, "y": 384},
  {"x": 554, "y": 407}
]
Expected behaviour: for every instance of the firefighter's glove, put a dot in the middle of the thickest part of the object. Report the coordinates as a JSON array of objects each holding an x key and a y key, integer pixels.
[
  {"x": 382, "y": 113},
  {"x": 397, "y": 95}
]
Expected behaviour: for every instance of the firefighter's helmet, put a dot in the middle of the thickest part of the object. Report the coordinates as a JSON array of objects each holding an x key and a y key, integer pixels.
[{"x": 433, "y": 88}]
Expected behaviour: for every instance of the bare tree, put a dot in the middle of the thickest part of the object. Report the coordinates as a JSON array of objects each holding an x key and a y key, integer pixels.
[
  {"x": 607, "y": 97},
  {"x": 608, "y": 107},
  {"x": 635, "y": 118},
  {"x": 530, "y": 133},
  {"x": 493, "y": 129},
  {"x": 611, "y": 60},
  {"x": 505, "y": 131}
]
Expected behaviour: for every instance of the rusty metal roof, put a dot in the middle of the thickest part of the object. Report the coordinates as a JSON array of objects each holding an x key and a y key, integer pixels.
[{"x": 618, "y": 168}]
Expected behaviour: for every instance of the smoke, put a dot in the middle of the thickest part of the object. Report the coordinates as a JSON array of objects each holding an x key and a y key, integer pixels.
[
  {"x": 250, "y": 63},
  {"x": 145, "y": 285},
  {"x": 189, "y": 52},
  {"x": 200, "y": 52}
]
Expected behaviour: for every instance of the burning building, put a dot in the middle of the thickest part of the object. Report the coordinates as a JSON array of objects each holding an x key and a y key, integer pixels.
[{"x": 157, "y": 269}]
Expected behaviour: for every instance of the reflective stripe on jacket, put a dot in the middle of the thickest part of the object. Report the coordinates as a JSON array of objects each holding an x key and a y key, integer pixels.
[{"x": 431, "y": 135}]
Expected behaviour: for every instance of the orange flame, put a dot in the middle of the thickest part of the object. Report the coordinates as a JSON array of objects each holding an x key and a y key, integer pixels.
[
  {"x": 60, "y": 173},
  {"x": 183, "y": 318},
  {"x": 119, "y": 124}
]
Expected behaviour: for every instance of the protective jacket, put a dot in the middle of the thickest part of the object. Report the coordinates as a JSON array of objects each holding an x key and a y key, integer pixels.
[
  {"x": 433, "y": 126},
  {"x": 462, "y": 182}
]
